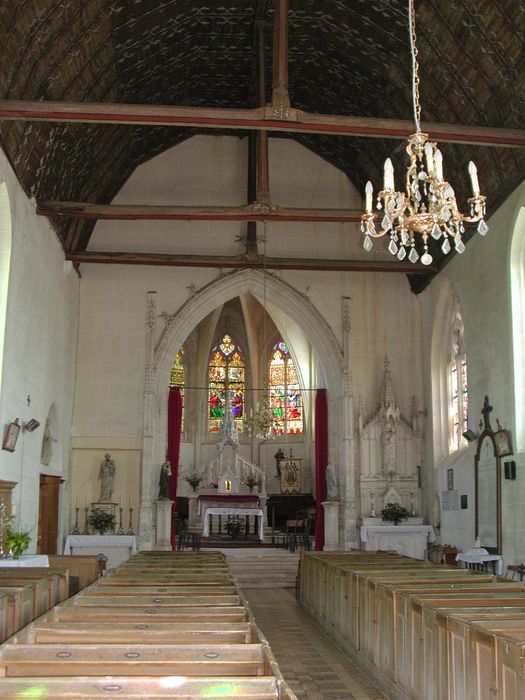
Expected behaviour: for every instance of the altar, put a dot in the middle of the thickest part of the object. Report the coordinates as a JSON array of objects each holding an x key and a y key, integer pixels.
[
  {"x": 410, "y": 540},
  {"x": 117, "y": 548},
  {"x": 236, "y": 513}
]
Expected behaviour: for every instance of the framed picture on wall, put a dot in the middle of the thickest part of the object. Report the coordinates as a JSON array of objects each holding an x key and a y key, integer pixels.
[
  {"x": 450, "y": 479},
  {"x": 11, "y": 436},
  {"x": 503, "y": 442}
]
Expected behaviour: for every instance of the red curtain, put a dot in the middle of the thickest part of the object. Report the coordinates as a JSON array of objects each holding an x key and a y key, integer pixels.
[
  {"x": 174, "y": 432},
  {"x": 321, "y": 462}
]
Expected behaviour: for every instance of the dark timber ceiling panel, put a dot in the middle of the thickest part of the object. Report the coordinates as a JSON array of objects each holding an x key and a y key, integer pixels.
[{"x": 346, "y": 57}]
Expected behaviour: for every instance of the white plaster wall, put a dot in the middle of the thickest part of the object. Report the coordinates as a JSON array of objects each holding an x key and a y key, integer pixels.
[
  {"x": 480, "y": 279},
  {"x": 110, "y": 370},
  {"x": 39, "y": 351}
]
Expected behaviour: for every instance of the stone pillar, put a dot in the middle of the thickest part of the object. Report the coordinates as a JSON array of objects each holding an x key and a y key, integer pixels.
[
  {"x": 145, "y": 528},
  {"x": 331, "y": 525},
  {"x": 163, "y": 532}
]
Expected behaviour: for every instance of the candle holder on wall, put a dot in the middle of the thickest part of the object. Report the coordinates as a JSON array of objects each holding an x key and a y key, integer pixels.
[{"x": 86, "y": 521}]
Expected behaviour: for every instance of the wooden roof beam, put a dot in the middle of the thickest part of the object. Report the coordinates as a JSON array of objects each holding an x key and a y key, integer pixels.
[
  {"x": 243, "y": 262},
  {"x": 298, "y": 121},
  {"x": 251, "y": 212}
]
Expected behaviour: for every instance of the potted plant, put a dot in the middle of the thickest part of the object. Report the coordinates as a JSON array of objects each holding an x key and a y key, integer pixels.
[
  {"x": 101, "y": 520},
  {"x": 234, "y": 526},
  {"x": 250, "y": 481},
  {"x": 17, "y": 542},
  {"x": 394, "y": 513},
  {"x": 194, "y": 480}
]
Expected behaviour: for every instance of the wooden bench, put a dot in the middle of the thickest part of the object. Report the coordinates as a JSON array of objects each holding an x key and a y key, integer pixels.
[
  {"x": 54, "y": 632},
  {"x": 260, "y": 688},
  {"x": 84, "y": 569},
  {"x": 21, "y": 604},
  {"x": 173, "y": 630},
  {"x": 58, "y": 578},
  {"x": 425, "y": 634}
]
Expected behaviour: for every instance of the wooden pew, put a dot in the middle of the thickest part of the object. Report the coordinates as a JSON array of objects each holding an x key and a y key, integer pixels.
[
  {"x": 424, "y": 633},
  {"x": 85, "y": 569},
  {"x": 146, "y": 636},
  {"x": 20, "y": 610},
  {"x": 58, "y": 577}
]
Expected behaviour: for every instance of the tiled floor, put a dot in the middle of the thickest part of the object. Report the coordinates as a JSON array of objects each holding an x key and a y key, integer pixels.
[{"x": 314, "y": 667}]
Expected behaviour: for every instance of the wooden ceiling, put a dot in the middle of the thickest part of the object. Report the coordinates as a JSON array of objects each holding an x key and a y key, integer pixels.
[{"x": 346, "y": 57}]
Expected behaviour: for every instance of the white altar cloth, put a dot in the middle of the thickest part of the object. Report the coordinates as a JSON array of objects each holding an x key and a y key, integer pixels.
[
  {"x": 410, "y": 540},
  {"x": 102, "y": 541},
  {"x": 37, "y": 560},
  {"x": 479, "y": 555},
  {"x": 235, "y": 512}
]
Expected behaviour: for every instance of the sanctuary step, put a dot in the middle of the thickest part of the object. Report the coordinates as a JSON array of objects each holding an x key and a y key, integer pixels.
[
  {"x": 277, "y": 570},
  {"x": 167, "y": 625}
]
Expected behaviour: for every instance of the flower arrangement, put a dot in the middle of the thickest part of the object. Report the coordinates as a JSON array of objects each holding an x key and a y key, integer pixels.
[
  {"x": 394, "y": 513},
  {"x": 194, "y": 480},
  {"x": 234, "y": 526},
  {"x": 17, "y": 542},
  {"x": 250, "y": 481},
  {"x": 101, "y": 520}
]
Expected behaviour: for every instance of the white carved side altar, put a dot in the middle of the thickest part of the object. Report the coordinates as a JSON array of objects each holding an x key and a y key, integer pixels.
[
  {"x": 390, "y": 453},
  {"x": 410, "y": 540}
]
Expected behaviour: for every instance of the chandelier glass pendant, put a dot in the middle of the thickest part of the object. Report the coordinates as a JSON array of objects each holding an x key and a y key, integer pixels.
[{"x": 427, "y": 208}]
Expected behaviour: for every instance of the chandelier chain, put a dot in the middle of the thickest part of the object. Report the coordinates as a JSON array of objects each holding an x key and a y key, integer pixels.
[{"x": 415, "y": 65}]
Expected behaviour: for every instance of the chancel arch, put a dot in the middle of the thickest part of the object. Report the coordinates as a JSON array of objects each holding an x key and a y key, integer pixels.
[{"x": 179, "y": 325}]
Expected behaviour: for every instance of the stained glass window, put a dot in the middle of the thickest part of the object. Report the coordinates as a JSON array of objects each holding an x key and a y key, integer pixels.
[
  {"x": 225, "y": 371},
  {"x": 458, "y": 391},
  {"x": 285, "y": 394},
  {"x": 177, "y": 378}
]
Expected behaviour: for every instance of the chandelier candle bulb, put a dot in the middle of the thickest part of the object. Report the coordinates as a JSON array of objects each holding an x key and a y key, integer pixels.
[
  {"x": 429, "y": 157},
  {"x": 389, "y": 175},
  {"x": 369, "y": 192},
  {"x": 438, "y": 162},
  {"x": 473, "y": 171}
]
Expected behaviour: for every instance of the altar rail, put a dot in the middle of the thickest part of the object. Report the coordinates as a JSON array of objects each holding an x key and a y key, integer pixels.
[{"x": 422, "y": 631}]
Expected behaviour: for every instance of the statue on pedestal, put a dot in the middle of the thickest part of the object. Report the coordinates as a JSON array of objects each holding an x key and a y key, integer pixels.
[
  {"x": 332, "y": 490},
  {"x": 106, "y": 476},
  {"x": 164, "y": 480}
]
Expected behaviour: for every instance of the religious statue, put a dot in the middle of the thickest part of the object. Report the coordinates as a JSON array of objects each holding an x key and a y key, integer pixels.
[
  {"x": 332, "y": 491},
  {"x": 388, "y": 440},
  {"x": 278, "y": 456},
  {"x": 165, "y": 473},
  {"x": 107, "y": 477},
  {"x": 47, "y": 445}
]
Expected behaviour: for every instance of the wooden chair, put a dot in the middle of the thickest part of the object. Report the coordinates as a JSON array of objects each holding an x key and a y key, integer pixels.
[{"x": 516, "y": 571}]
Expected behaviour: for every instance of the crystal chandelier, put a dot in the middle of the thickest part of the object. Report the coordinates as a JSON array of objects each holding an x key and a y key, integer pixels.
[
  {"x": 427, "y": 207},
  {"x": 261, "y": 422}
]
